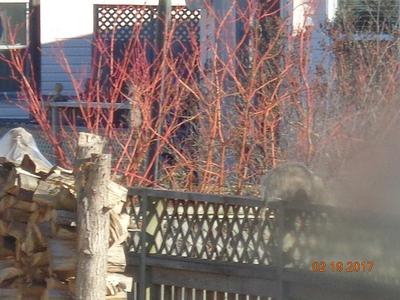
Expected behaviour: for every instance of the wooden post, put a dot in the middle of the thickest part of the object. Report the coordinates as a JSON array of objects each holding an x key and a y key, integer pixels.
[
  {"x": 92, "y": 176},
  {"x": 164, "y": 15},
  {"x": 143, "y": 249}
]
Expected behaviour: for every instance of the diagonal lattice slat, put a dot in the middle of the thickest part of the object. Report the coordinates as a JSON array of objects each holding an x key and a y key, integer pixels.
[
  {"x": 207, "y": 230},
  {"x": 293, "y": 237},
  {"x": 119, "y": 22}
]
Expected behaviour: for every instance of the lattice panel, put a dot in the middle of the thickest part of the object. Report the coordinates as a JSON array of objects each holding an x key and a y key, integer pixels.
[
  {"x": 119, "y": 22},
  {"x": 135, "y": 225},
  {"x": 186, "y": 24},
  {"x": 243, "y": 233},
  {"x": 209, "y": 231},
  {"x": 314, "y": 235}
]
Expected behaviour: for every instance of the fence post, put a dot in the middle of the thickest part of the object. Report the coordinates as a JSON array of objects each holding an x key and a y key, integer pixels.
[
  {"x": 143, "y": 248},
  {"x": 154, "y": 221},
  {"x": 280, "y": 207},
  {"x": 54, "y": 119},
  {"x": 92, "y": 173}
]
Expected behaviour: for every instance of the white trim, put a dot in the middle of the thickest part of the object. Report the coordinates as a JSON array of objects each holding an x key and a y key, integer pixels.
[
  {"x": 10, "y": 47},
  {"x": 331, "y": 9},
  {"x": 367, "y": 37},
  {"x": 135, "y": 2},
  {"x": 27, "y": 27},
  {"x": 14, "y": 1}
]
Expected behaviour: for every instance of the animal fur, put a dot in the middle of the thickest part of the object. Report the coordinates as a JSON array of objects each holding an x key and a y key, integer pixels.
[{"x": 292, "y": 182}]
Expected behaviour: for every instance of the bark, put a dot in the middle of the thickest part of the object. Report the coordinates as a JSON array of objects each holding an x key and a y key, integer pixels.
[{"x": 92, "y": 177}]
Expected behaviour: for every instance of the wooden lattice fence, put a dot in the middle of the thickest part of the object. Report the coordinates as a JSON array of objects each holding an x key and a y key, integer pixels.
[
  {"x": 119, "y": 22},
  {"x": 199, "y": 246}
]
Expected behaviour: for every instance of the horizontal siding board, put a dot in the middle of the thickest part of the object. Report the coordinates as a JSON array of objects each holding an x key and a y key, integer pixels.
[
  {"x": 78, "y": 54},
  {"x": 10, "y": 111},
  {"x": 75, "y": 43},
  {"x": 58, "y": 69},
  {"x": 48, "y": 88},
  {"x": 72, "y": 60},
  {"x": 67, "y": 52},
  {"x": 48, "y": 69},
  {"x": 58, "y": 77}
]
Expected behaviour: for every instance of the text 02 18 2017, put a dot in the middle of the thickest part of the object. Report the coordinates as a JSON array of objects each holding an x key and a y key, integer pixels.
[{"x": 349, "y": 266}]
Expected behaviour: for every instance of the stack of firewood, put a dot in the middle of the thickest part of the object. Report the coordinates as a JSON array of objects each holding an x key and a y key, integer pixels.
[{"x": 38, "y": 235}]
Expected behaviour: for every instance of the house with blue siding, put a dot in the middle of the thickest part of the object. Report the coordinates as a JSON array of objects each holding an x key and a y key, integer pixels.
[{"x": 47, "y": 28}]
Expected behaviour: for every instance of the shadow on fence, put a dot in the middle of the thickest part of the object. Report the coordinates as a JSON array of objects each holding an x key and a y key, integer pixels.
[{"x": 198, "y": 246}]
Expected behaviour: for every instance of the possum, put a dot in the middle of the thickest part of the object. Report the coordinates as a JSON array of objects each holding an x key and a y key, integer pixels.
[{"x": 292, "y": 182}]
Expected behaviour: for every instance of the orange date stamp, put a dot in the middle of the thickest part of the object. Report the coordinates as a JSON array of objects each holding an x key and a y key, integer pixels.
[{"x": 350, "y": 266}]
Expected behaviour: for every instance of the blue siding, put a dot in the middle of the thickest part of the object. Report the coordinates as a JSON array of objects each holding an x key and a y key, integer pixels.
[{"x": 78, "y": 53}]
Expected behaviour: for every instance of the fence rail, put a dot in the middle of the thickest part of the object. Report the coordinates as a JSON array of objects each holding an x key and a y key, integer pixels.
[{"x": 200, "y": 246}]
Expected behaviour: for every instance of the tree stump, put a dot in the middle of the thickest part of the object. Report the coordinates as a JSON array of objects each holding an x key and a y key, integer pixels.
[{"x": 92, "y": 176}]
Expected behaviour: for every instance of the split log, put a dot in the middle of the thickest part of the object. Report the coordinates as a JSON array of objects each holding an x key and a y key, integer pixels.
[
  {"x": 28, "y": 236},
  {"x": 18, "y": 250},
  {"x": 6, "y": 202},
  {"x": 119, "y": 296},
  {"x": 8, "y": 248},
  {"x": 54, "y": 195},
  {"x": 32, "y": 242},
  {"x": 5, "y": 252},
  {"x": 28, "y": 245},
  {"x": 62, "y": 176},
  {"x": 13, "y": 214},
  {"x": 53, "y": 283},
  {"x": 17, "y": 230},
  {"x": 27, "y": 181},
  {"x": 118, "y": 228},
  {"x": 63, "y": 217},
  {"x": 63, "y": 232},
  {"x": 25, "y": 206},
  {"x": 21, "y": 183},
  {"x": 55, "y": 294},
  {"x": 39, "y": 259},
  {"x": 7, "y": 263},
  {"x": 116, "y": 194},
  {"x": 32, "y": 292},
  {"x": 44, "y": 233},
  {"x": 9, "y": 273},
  {"x": 39, "y": 235},
  {"x": 15, "y": 283},
  {"x": 62, "y": 255},
  {"x": 38, "y": 275},
  {"x": 8, "y": 178},
  {"x": 10, "y": 294},
  {"x": 116, "y": 259},
  {"x": 117, "y": 283},
  {"x": 3, "y": 228},
  {"x": 43, "y": 214}
]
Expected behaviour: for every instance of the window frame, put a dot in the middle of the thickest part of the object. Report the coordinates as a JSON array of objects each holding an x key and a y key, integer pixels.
[
  {"x": 333, "y": 7},
  {"x": 11, "y": 94},
  {"x": 27, "y": 24}
]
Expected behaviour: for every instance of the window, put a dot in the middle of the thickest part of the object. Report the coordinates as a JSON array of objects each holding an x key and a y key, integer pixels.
[
  {"x": 369, "y": 16},
  {"x": 14, "y": 36},
  {"x": 13, "y": 24}
]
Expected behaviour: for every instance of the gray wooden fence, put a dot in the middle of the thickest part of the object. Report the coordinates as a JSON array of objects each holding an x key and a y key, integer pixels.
[{"x": 199, "y": 246}]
